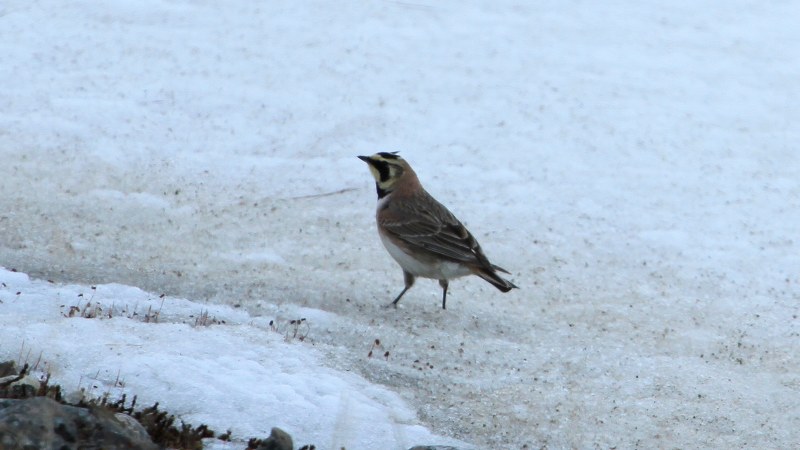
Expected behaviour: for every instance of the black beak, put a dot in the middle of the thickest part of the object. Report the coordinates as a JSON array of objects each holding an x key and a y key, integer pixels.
[{"x": 365, "y": 159}]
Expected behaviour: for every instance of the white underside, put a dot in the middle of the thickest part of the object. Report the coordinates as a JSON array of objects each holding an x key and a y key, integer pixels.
[{"x": 442, "y": 270}]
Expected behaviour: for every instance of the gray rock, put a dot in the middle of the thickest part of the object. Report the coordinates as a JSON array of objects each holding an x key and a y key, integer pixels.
[
  {"x": 43, "y": 423},
  {"x": 277, "y": 440},
  {"x": 135, "y": 429}
]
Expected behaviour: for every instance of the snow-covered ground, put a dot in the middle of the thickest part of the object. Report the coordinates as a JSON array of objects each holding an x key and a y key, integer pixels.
[
  {"x": 209, "y": 364},
  {"x": 634, "y": 164}
]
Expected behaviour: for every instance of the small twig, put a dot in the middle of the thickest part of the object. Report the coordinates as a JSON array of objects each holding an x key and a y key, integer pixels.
[
  {"x": 21, "y": 349},
  {"x": 38, "y": 360},
  {"x": 325, "y": 194}
]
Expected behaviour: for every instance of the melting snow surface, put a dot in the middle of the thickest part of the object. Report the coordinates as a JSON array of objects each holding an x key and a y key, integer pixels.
[{"x": 635, "y": 166}]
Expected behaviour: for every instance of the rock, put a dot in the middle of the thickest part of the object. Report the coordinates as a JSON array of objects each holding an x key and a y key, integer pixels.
[
  {"x": 135, "y": 429},
  {"x": 43, "y": 423},
  {"x": 277, "y": 440}
]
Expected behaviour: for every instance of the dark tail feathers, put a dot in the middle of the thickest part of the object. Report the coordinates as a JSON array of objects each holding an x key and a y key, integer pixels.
[{"x": 492, "y": 277}]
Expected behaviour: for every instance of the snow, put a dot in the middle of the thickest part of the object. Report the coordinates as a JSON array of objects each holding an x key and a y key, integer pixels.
[
  {"x": 633, "y": 165},
  {"x": 207, "y": 364}
]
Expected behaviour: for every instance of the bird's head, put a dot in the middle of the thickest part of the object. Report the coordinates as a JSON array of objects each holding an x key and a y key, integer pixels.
[{"x": 389, "y": 171}]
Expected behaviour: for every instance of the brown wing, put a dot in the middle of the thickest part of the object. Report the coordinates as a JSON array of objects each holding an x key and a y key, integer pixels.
[{"x": 426, "y": 224}]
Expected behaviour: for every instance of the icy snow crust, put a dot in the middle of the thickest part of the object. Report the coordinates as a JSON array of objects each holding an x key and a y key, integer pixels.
[
  {"x": 208, "y": 364},
  {"x": 635, "y": 165}
]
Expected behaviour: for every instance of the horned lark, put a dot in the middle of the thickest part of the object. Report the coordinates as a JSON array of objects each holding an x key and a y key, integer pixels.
[{"x": 421, "y": 234}]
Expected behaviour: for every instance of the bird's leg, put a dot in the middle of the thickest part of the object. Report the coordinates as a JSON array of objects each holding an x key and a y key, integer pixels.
[
  {"x": 409, "y": 280},
  {"x": 444, "y": 284}
]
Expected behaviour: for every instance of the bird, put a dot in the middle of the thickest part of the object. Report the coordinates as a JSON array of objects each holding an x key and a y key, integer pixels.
[{"x": 421, "y": 234}]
